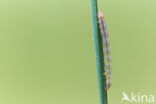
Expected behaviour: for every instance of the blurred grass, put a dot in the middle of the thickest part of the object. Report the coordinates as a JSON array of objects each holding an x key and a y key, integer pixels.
[{"x": 47, "y": 51}]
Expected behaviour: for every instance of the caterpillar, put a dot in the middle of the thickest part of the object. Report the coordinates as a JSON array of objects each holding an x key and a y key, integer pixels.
[{"x": 106, "y": 50}]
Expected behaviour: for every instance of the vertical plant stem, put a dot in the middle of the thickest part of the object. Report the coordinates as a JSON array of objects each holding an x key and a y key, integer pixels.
[{"x": 99, "y": 54}]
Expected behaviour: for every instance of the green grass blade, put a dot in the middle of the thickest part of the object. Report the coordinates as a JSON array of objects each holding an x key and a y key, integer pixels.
[{"x": 99, "y": 54}]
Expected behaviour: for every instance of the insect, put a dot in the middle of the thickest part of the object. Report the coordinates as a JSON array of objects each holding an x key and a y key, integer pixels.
[{"x": 106, "y": 50}]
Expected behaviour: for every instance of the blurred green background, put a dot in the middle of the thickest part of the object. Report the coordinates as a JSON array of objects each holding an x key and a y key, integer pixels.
[{"x": 47, "y": 51}]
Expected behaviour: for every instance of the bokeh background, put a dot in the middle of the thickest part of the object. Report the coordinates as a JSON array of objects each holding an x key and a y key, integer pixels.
[{"x": 47, "y": 53}]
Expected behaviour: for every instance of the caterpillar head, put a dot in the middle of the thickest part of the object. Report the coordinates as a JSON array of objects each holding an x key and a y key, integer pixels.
[{"x": 100, "y": 15}]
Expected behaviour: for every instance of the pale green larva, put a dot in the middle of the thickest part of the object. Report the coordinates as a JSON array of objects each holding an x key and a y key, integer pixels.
[{"x": 106, "y": 50}]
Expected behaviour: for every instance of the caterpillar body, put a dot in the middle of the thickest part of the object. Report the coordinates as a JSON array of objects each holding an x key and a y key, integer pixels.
[{"x": 106, "y": 50}]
